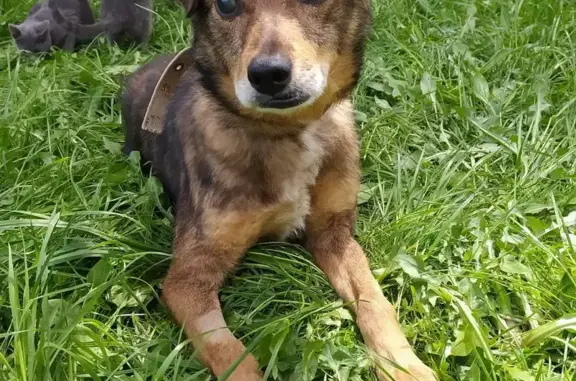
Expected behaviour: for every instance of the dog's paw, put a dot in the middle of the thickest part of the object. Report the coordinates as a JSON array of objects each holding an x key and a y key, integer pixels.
[
  {"x": 245, "y": 376},
  {"x": 247, "y": 370},
  {"x": 413, "y": 370},
  {"x": 416, "y": 373}
]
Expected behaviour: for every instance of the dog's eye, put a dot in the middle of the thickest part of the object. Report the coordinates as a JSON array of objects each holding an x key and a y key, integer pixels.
[
  {"x": 312, "y": 2},
  {"x": 226, "y": 8}
]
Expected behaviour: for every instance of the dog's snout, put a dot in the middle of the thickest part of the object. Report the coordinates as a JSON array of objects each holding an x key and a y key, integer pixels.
[{"x": 270, "y": 75}]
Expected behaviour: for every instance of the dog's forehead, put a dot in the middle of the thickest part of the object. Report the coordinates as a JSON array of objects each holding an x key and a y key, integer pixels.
[
  {"x": 260, "y": 4},
  {"x": 280, "y": 6}
]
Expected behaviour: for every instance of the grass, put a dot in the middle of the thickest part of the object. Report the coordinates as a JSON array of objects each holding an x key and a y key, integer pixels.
[{"x": 467, "y": 113}]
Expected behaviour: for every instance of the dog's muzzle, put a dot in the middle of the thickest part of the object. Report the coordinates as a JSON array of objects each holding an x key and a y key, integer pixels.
[
  {"x": 270, "y": 76},
  {"x": 281, "y": 101}
]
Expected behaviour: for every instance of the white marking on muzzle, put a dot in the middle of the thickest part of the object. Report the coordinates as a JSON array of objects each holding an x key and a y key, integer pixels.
[{"x": 306, "y": 79}]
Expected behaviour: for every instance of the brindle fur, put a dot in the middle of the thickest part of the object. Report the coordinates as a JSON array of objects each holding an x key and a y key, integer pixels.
[{"x": 237, "y": 175}]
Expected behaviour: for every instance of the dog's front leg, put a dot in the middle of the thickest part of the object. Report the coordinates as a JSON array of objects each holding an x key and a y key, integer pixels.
[
  {"x": 330, "y": 240},
  {"x": 203, "y": 255}
]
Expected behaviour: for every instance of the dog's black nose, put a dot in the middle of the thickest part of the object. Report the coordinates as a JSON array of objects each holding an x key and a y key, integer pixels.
[{"x": 270, "y": 75}]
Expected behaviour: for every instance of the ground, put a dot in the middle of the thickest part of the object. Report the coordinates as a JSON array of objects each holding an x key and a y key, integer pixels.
[{"x": 467, "y": 113}]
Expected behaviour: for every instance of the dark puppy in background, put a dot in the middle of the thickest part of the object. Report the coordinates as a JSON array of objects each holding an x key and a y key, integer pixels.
[
  {"x": 40, "y": 31},
  {"x": 258, "y": 141},
  {"x": 131, "y": 20},
  {"x": 122, "y": 21},
  {"x": 81, "y": 32}
]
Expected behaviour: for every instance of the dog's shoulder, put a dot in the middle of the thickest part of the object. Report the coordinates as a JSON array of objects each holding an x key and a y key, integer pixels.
[
  {"x": 337, "y": 129},
  {"x": 139, "y": 86},
  {"x": 342, "y": 146}
]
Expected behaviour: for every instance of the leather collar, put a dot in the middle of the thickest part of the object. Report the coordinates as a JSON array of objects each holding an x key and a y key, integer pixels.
[{"x": 156, "y": 111}]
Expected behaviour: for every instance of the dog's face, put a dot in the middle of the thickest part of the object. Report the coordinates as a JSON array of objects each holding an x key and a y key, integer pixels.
[{"x": 288, "y": 57}]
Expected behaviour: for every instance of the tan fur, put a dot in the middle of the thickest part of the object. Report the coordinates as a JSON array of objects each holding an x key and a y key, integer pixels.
[
  {"x": 237, "y": 175},
  {"x": 330, "y": 240}
]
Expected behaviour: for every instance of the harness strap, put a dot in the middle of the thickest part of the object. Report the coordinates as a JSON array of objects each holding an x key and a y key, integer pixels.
[{"x": 156, "y": 111}]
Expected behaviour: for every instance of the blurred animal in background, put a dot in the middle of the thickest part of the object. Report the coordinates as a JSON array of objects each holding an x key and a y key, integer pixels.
[
  {"x": 67, "y": 23},
  {"x": 123, "y": 21},
  {"x": 40, "y": 31},
  {"x": 81, "y": 31},
  {"x": 130, "y": 21}
]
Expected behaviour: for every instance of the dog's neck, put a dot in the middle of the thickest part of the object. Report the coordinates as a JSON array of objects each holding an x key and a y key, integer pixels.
[
  {"x": 258, "y": 126},
  {"x": 237, "y": 139}
]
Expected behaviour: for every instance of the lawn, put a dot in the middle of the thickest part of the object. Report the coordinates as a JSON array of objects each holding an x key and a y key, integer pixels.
[{"x": 467, "y": 115}]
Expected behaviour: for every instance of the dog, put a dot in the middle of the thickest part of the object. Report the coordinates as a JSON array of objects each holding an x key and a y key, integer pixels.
[{"x": 251, "y": 131}]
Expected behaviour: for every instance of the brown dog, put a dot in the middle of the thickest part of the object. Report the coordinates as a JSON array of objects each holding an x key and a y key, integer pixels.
[{"x": 257, "y": 140}]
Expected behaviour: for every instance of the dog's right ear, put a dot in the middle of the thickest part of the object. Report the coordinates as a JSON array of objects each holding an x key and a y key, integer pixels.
[{"x": 189, "y": 6}]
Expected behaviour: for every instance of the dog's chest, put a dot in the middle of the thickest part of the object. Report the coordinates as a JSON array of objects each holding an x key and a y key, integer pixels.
[{"x": 295, "y": 173}]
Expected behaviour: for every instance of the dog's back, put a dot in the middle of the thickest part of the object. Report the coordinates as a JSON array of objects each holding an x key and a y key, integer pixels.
[
  {"x": 164, "y": 163},
  {"x": 136, "y": 96}
]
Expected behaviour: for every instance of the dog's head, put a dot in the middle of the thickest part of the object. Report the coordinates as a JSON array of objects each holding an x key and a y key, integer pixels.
[{"x": 283, "y": 58}]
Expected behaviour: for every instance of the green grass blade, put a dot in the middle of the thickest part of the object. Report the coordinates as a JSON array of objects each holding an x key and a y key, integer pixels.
[{"x": 545, "y": 331}]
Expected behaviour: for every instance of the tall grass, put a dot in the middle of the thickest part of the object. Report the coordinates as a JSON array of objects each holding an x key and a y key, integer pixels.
[{"x": 467, "y": 115}]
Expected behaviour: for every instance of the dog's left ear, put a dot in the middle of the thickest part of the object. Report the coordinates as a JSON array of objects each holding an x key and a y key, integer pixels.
[{"x": 189, "y": 6}]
